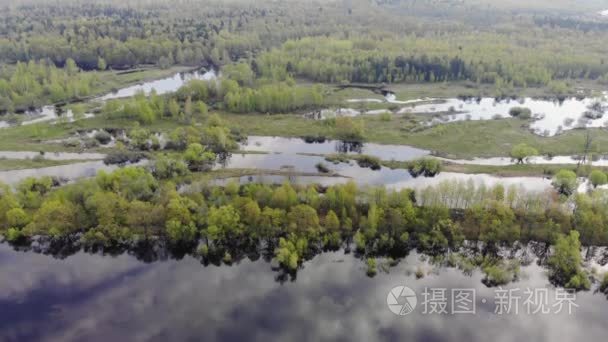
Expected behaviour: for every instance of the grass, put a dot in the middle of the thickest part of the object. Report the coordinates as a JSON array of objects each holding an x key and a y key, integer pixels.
[{"x": 20, "y": 164}]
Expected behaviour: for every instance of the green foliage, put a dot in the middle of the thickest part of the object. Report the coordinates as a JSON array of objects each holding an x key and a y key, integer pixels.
[
  {"x": 521, "y": 152},
  {"x": 223, "y": 223},
  {"x": 521, "y": 113},
  {"x": 597, "y": 178},
  {"x": 349, "y": 130},
  {"x": 34, "y": 84},
  {"x": 565, "y": 182},
  {"x": 17, "y": 218},
  {"x": 565, "y": 263},
  {"x": 198, "y": 158},
  {"x": 133, "y": 183},
  {"x": 372, "y": 267},
  {"x": 429, "y": 167},
  {"x": 166, "y": 167},
  {"x": 499, "y": 273}
]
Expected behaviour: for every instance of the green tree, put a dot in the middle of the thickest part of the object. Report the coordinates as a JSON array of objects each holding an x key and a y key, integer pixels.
[
  {"x": 598, "y": 178},
  {"x": 565, "y": 263},
  {"x": 198, "y": 158},
  {"x": 521, "y": 152},
  {"x": 101, "y": 64},
  {"x": 565, "y": 182},
  {"x": 224, "y": 223}
]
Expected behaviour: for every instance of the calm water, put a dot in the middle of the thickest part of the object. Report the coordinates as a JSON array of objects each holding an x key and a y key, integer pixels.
[
  {"x": 67, "y": 172},
  {"x": 95, "y": 298},
  {"x": 295, "y": 145},
  {"x": 553, "y": 116},
  {"x": 394, "y": 179},
  {"x": 161, "y": 86}
]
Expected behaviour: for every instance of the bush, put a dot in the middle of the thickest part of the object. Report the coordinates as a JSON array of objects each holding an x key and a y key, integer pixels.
[
  {"x": 322, "y": 168},
  {"x": 386, "y": 116},
  {"x": 369, "y": 161},
  {"x": 429, "y": 167},
  {"x": 565, "y": 182},
  {"x": 597, "y": 178},
  {"x": 348, "y": 129},
  {"x": 500, "y": 273},
  {"x": 521, "y": 152},
  {"x": 372, "y": 267},
  {"x": 123, "y": 157},
  {"x": 103, "y": 137},
  {"x": 520, "y": 112}
]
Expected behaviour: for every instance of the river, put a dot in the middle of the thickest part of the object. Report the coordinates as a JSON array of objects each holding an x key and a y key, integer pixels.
[{"x": 87, "y": 297}]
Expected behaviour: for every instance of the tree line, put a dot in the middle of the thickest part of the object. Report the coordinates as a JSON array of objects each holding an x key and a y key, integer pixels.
[{"x": 134, "y": 204}]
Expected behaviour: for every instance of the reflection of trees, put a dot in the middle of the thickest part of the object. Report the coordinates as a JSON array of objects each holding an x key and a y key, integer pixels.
[
  {"x": 156, "y": 250},
  {"x": 348, "y": 147}
]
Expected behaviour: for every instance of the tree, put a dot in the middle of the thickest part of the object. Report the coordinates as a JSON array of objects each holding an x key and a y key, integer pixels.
[
  {"x": 332, "y": 223},
  {"x": 521, "y": 152},
  {"x": 55, "y": 218},
  {"x": 349, "y": 130},
  {"x": 598, "y": 178},
  {"x": 303, "y": 219},
  {"x": 565, "y": 262},
  {"x": 17, "y": 218},
  {"x": 101, "y": 64},
  {"x": 224, "y": 223},
  {"x": 198, "y": 158},
  {"x": 565, "y": 182}
]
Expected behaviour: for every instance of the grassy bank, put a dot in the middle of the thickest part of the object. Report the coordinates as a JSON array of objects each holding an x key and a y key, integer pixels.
[{"x": 20, "y": 164}]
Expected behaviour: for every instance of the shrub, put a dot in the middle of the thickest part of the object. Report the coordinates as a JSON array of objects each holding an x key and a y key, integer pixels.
[
  {"x": 429, "y": 167},
  {"x": 103, "y": 137},
  {"x": 322, "y": 168},
  {"x": 369, "y": 161},
  {"x": 520, "y": 112}
]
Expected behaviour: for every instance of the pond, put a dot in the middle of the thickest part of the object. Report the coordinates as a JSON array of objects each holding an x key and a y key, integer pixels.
[
  {"x": 297, "y": 145},
  {"x": 554, "y": 160},
  {"x": 89, "y": 297},
  {"x": 552, "y": 117},
  {"x": 69, "y": 172},
  {"x": 163, "y": 85},
  {"x": 394, "y": 179}
]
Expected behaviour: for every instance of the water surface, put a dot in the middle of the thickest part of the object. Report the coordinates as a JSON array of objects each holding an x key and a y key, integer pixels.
[{"x": 101, "y": 298}]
